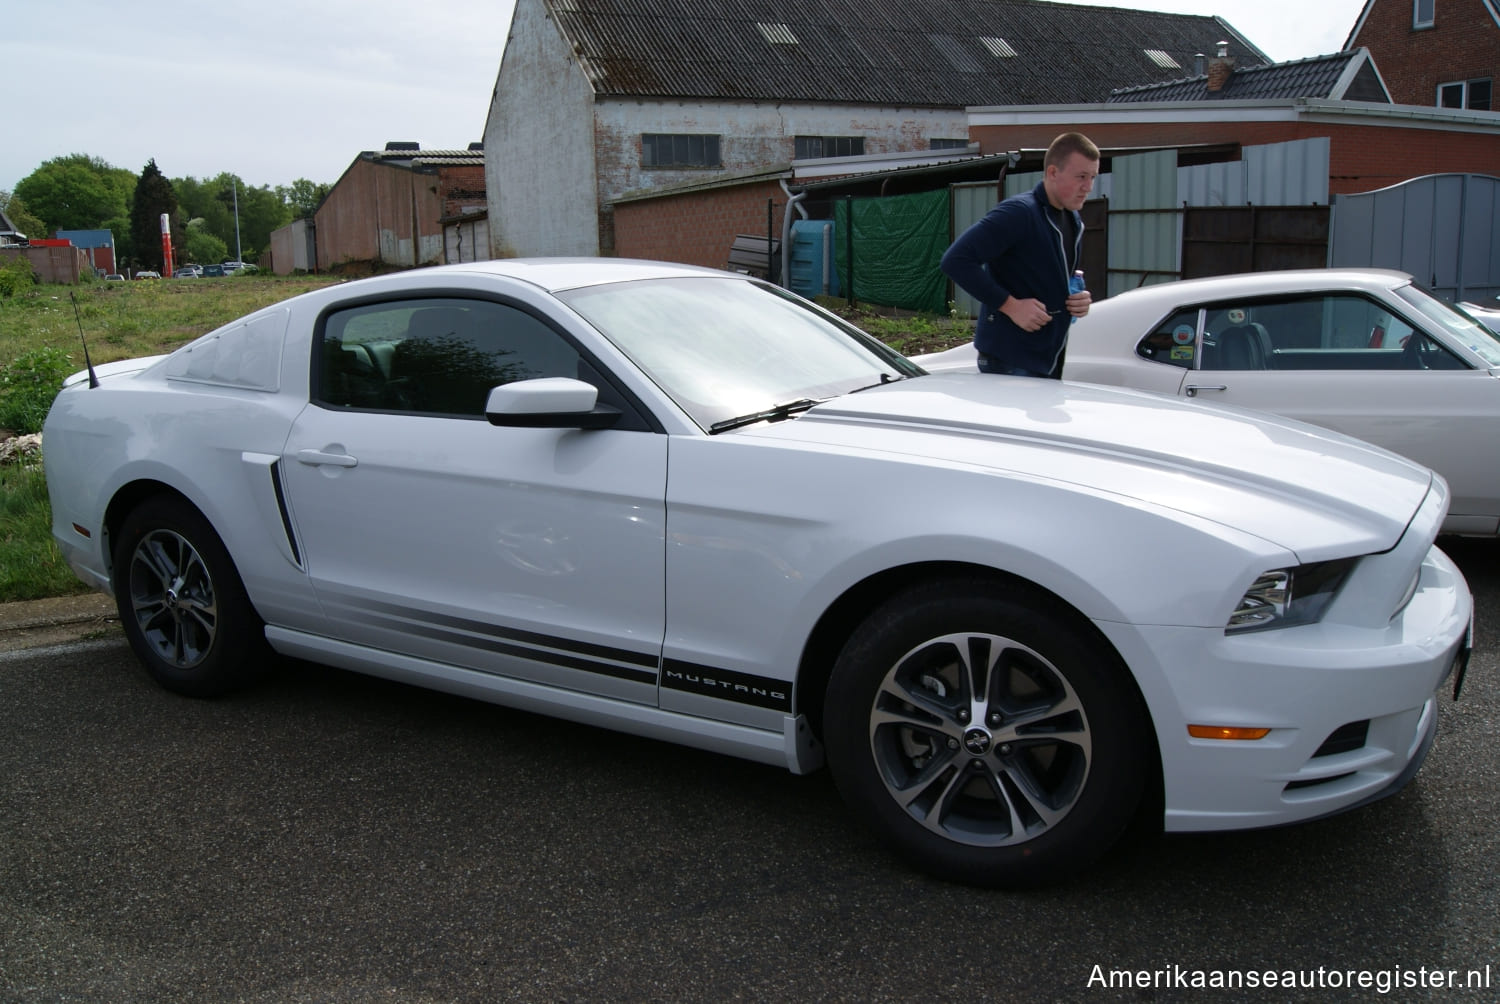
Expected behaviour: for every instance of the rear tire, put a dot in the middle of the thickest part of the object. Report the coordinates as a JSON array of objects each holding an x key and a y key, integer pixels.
[
  {"x": 979, "y": 730},
  {"x": 182, "y": 604}
]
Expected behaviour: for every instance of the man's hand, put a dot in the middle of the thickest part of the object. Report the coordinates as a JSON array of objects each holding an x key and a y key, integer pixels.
[
  {"x": 1029, "y": 315},
  {"x": 1078, "y": 303}
]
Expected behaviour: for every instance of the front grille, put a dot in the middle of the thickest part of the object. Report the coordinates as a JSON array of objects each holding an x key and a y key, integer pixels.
[{"x": 1344, "y": 739}]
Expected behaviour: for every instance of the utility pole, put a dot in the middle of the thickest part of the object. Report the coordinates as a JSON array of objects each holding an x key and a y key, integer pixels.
[{"x": 234, "y": 179}]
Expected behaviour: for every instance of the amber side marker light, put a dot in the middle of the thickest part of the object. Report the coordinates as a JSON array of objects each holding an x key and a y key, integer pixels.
[
  {"x": 82, "y": 531},
  {"x": 1226, "y": 732}
]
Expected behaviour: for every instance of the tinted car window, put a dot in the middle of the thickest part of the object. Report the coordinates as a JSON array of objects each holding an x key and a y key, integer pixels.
[
  {"x": 1174, "y": 341},
  {"x": 1341, "y": 331},
  {"x": 436, "y": 356}
]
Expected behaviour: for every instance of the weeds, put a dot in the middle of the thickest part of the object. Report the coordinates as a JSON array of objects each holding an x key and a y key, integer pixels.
[
  {"x": 31, "y": 567},
  {"x": 28, "y": 385}
]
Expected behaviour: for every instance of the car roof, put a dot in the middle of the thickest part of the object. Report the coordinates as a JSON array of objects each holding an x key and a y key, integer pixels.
[
  {"x": 554, "y": 274},
  {"x": 1263, "y": 284}
]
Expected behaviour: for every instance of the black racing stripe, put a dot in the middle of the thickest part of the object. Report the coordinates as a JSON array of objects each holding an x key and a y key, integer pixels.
[
  {"x": 647, "y": 659},
  {"x": 493, "y": 640},
  {"x": 727, "y": 685}
]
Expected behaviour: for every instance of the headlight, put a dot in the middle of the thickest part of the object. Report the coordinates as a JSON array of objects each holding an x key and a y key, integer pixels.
[{"x": 1284, "y": 597}]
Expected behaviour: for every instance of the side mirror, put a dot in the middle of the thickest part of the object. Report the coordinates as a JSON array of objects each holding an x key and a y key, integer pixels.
[{"x": 549, "y": 403}]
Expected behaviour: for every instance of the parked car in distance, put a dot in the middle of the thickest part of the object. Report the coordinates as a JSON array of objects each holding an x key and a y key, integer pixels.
[
  {"x": 147, "y": 274},
  {"x": 1367, "y": 352},
  {"x": 188, "y": 272},
  {"x": 1008, "y": 614},
  {"x": 212, "y": 271},
  {"x": 114, "y": 277}
]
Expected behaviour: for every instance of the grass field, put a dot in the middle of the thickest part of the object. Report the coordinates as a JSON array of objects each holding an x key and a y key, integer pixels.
[{"x": 142, "y": 318}]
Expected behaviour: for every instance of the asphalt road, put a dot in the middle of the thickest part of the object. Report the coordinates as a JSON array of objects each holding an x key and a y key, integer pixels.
[{"x": 328, "y": 837}]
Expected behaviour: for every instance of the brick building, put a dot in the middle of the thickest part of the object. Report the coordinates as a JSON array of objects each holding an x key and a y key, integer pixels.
[{"x": 1442, "y": 53}]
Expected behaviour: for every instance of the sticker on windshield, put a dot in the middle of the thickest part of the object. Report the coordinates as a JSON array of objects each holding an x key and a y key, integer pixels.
[
  {"x": 1183, "y": 352},
  {"x": 1184, "y": 334},
  {"x": 1236, "y": 315}
]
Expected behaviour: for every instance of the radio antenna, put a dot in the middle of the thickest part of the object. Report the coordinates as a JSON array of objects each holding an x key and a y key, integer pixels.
[{"x": 93, "y": 380}]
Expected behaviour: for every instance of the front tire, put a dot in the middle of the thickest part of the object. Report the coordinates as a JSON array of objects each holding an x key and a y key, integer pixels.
[
  {"x": 181, "y": 601},
  {"x": 983, "y": 733}
]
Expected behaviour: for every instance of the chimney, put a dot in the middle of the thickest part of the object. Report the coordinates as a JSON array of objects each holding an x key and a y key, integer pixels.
[
  {"x": 1219, "y": 69},
  {"x": 1198, "y": 62}
]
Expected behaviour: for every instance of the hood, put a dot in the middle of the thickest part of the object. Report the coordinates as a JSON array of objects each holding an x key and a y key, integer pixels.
[{"x": 1313, "y": 491}]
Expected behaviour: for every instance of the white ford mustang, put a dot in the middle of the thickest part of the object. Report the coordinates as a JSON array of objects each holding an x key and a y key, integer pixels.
[{"x": 1008, "y": 614}]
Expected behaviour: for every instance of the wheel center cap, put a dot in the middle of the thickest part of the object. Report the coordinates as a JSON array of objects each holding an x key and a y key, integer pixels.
[{"x": 977, "y": 742}]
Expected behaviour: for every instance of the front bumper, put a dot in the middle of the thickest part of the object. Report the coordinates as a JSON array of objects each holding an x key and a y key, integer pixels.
[{"x": 1351, "y": 708}]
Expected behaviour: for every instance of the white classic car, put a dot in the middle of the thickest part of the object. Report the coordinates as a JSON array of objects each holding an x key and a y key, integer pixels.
[
  {"x": 1008, "y": 614},
  {"x": 1367, "y": 352}
]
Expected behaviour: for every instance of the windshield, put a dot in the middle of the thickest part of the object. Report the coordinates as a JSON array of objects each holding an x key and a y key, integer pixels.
[
  {"x": 1468, "y": 332},
  {"x": 725, "y": 348}
]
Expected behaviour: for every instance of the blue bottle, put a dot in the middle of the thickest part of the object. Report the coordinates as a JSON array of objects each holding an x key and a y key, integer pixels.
[{"x": 1075, "y": 285}]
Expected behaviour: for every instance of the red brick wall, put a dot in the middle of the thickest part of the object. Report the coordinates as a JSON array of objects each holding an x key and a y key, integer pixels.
[
  {"x": 696, "y": 228},
  {"x": 1362, "y": 158},
  {"x": 461, "y": 188},
  {"x": 52, "y": 264},
  {"x": 1462, "y": 44}
]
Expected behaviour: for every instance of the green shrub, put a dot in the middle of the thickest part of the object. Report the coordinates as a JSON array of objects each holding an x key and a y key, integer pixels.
[
  {"x": 28, "y": 386},
  {"x": 16, "y": 275}
]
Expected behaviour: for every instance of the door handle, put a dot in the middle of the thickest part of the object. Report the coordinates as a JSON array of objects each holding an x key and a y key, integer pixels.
[
  {"x": 1192, "y": 389},
  {"x": 317, "y": 458}
]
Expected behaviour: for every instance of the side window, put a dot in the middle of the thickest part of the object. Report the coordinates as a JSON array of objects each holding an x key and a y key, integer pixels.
[
  {"x": 1174, "y": 341},
  {"x": 1340, "y": 331},
  {"x": 437, "y": 356}
]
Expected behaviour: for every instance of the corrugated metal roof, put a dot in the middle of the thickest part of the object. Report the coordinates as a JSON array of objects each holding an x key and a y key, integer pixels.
[
  {"x": 417, "y": 159},
  {"x": 1316, "y": 77},
  {"x": 924, "y": 53}
]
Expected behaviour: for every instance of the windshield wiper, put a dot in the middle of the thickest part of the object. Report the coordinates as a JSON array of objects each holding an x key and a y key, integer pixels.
[
  {"x": 776, "y": 414},
  {"x": 885, "y": 378}
]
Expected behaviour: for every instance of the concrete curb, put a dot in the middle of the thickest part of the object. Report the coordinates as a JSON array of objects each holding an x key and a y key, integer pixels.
[{"x": 36, "y": 623}]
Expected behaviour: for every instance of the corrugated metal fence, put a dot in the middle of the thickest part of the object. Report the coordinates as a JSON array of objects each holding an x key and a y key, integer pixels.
[{"x": 1444, "y": 229}]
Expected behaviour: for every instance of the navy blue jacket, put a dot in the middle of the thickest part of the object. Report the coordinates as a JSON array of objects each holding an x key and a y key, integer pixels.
[{"x": 1016, "y": 249}]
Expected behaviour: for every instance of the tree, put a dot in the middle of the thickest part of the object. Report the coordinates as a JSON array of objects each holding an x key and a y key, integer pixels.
[
  {"x": 153, "y": 196},
  {"x": 304, "y": 197},
  {"x": 262, "y": 210},
  {"x": 202, "y": 246},
  {"x": 213, "y": 200},
  {"x": 16, "y": 211},
  {"x": 77, "y": 192}
]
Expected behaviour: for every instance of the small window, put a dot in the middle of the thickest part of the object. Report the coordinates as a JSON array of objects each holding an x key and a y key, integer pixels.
[
  {"x": 813, "y": 147},
  {"x": 776, "y": 32},
  {"x": 1472, "y": 94},
  {"x": 998, "y": 47},
  {"x": 947, "y": 144},
  {"x": 659, "y": 150},
  {"x": 1174, "y": 341},
  {"x": 435, "y": 356},
  {"x": 1422, "y": 13}
]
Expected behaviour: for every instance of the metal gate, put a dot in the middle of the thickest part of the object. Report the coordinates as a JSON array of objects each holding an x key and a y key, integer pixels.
[
  {"x": 1441, "y": 228},
  {"x": 1219, "y": 240}
]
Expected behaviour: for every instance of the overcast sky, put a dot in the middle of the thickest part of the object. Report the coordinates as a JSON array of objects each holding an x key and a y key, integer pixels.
[{"x": 275, "y": 90}]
